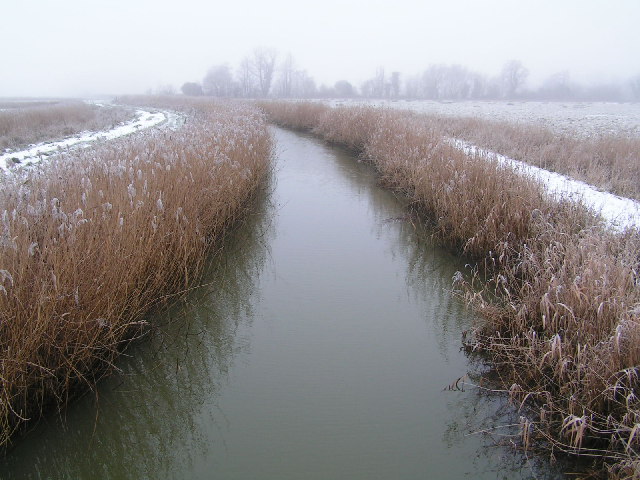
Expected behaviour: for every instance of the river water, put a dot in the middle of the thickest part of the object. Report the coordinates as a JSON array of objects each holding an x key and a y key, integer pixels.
[{"x": 321, "y": 350}]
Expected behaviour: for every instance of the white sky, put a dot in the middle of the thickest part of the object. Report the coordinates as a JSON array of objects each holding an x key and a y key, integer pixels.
[{"x": 88, "y": 47}]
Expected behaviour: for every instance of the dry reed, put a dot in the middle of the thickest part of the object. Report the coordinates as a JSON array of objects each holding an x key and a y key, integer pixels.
[
  {"x": 610, "y": 162},
  {"x": 559, "y": 292},
  {"x": 32, "y": 124},
  {"x": 93, "y": 240}
]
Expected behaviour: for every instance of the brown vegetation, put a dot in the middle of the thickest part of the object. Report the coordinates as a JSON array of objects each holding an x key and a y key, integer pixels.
[
  {"x": 610, "y": 162},
  {"x": 48, "y": 121},
  {"x": 558, "y": 291},
  {"x": 91, "y": 241}
]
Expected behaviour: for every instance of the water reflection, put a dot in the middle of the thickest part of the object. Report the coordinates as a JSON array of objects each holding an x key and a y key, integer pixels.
[
  {"x": 320, "y": 351},
  {"x": 151, "y": 420}
]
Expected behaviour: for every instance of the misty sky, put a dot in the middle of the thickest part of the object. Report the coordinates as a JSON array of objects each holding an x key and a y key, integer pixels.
[{"x": 89, "y": 47}]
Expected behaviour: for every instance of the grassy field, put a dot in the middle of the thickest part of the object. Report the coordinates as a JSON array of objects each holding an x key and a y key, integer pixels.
[
  {"x": 93, "y": 240},
  {"x": 557, "y": 289},
  {"x": 45, "y": 121}
]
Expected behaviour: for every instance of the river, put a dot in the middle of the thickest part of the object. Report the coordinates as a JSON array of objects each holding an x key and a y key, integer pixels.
[{"x": 322, "y": 349}]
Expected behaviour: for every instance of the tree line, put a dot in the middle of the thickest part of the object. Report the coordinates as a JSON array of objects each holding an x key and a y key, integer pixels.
[{"x": 263, "y": 74}]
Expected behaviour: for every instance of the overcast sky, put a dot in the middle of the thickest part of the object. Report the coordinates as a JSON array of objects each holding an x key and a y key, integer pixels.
[{"x": 88, "y": 47}]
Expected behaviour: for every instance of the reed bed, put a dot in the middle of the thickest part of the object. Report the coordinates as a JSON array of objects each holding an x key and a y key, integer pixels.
[
  {"x": 33, "y": 124},
  {"x": 608, "y": 161},
  {"x": 92, "y": 240},
  {"x": 558, "y": 290}
]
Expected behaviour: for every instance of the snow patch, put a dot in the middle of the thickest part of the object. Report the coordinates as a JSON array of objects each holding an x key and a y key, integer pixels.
[
  {"x": 619, "y": 212},
  {"x": 36, "y": 153}
]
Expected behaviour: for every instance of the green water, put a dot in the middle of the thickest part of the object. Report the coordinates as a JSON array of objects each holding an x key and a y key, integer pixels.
[{"x": 319, "y": 351}]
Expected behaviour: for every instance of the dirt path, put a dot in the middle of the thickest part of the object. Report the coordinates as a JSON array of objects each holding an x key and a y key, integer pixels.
[{"x": 143, "y": 120}]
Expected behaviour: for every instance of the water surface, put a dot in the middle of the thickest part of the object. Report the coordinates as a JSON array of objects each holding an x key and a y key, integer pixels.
[{"x": 320, "y": 351}]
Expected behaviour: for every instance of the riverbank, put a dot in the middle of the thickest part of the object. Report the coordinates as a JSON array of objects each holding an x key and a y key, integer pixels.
[
  {"x": 319, "y": 349},
  {"x": 37, "y": 122},
  {"x": 558, "y": 287},
  {"x": 93, "y": 239},
  {"x": 598, "y": 144}
]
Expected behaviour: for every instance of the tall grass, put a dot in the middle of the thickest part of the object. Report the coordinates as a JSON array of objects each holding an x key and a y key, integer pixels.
[
  {"x": 91, "y": 241},
  {"x": 558, "y": 290},
  {"x": 32, "y": 124},
  {"x": 608, "y": 161}
]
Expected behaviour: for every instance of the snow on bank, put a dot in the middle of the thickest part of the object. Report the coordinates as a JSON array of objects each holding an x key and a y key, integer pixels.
[
  {"x": 144, "y": 119},
  {"x": 619, "y": 212},
  {"x": 582, "y": 119}
]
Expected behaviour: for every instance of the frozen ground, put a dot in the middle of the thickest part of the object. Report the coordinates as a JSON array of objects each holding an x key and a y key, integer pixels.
[
  {"x": 572, "y": 118},
  {"x": 35, "y": 153}
]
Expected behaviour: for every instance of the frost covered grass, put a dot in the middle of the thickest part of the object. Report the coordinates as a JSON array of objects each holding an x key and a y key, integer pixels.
[
  {"x": 558, "y": 289},
  {"x": 92, "y": 240},
  {"x": 32, "y": 124}
]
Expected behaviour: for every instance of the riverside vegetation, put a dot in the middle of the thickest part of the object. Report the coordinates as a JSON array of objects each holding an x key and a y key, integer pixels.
[
  {"x": 558, "y": 289},
  {"x": 92, "y": 240},
  {"x": 41, "y": 121},
  {"x": 608, "y": 161}
]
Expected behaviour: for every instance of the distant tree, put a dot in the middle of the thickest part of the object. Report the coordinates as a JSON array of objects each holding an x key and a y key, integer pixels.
[
  {"x": 478, "y": 85},
  {"x": 167, "y": 89},
  {"x": 378, "y": 83},
  {"x": 218, "y": 82},
  {"x": 304, "y": 86},
  {"x": 376, "y": 87},
  {"x": 452, "y": 82},
  {"x": 192, "y": 89},
  {"x": 395, "y": 84},
  {"x": 246, "y": 84},
  {"x": 325, "y": 91},
  {"x": 557, "y": 87},
  {"x": 285, "y": 79},
  {"x": 367, "y": 89},
  {"x": 344, "y": 89},
  {"x": 412, "y": 87},
  {"x": 432, "y": 84},
  {"x": 514, "y": 75},
  {"x": 263, "y": 66}
]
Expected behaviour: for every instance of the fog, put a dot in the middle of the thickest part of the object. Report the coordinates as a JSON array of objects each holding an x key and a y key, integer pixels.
[{"x": 88, "y": 48}]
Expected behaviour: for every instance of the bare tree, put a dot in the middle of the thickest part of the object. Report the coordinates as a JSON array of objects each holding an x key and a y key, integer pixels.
[
  {"x": 167, "y": 89},
  {"x": 412, "y": 86},
  {"x": 304, "y": 86},
  {"x": 378, "y": 83},
  {"x": 557, "y": 87},
  {"x": 245, "y": 78},
  {"x": 285, "y": 80},
  {"x": 433, "y": 81},
  {"x": 218, "y": 82},
  {"x": 395, "y": 84},
  {"x": 514, "y": 75},
  {"x": 264, "y": 63}
]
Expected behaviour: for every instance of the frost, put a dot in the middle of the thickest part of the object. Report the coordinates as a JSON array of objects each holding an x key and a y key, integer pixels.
[{"x": 5, "y": 275}]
